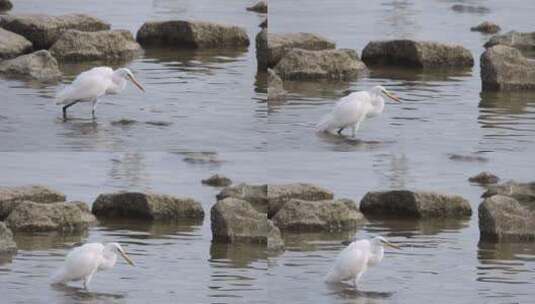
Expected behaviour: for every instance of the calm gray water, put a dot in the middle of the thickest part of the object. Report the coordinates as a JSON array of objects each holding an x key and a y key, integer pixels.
[
  {"x": 193, "y": 101},
  {"x": 215, "y": 103}
]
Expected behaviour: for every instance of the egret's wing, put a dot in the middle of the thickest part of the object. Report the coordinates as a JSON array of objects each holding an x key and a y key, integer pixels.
[
  {"x": 86, "y": 86},
  {"x": 352, "y": 260},
  {"x": 80, "y": 262},
  {"x": 347, "y": 111}
]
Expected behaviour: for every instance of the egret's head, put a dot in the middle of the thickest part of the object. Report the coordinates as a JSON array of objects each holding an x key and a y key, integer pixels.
[
  {"x": 116, "y": 247},
  {"x": 383, "y": 242},
  {"x": 381, "y": 90},
  {"x": 128, "y": 75}
]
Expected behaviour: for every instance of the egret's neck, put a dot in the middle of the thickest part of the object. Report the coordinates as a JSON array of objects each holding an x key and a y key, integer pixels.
[
  {"x": 109, "y": 258},
  {"x": 376, "y": 254},
  {"x": 378, "y": 104},
  {"x": 118, "y": 83}
]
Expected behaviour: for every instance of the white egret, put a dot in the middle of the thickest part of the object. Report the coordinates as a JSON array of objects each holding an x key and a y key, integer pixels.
[
  {"x": 90, "y": 85},
  {"x": 352, "y": 109},
  {"x": 355, "y": 259},
  {"x": 83, "y": 262}
]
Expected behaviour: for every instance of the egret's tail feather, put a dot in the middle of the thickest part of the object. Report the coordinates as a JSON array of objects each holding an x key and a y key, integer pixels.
[
  {"x": 58, "y": 277},
  {"x": 62, "y": 97},
  {"x": 325, "y": 123}
]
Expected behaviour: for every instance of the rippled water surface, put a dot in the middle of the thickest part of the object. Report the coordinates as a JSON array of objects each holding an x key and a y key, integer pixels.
[
  {"x": 194, "y": 100},
  {"x": 445, "y": 131}
]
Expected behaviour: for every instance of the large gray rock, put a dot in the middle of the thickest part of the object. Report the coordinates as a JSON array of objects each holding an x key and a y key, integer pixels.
[
  {"x": 301, "y": 215},
  {"x": 280, "y": 194},
  {"x": 403, "y": 203},
  {"x": 524, "y": 192},
  {"x": 36, "y": 217},
  {"x": 259, "y": 7},
  {"x": 521, "y": 41},
  {"x": 278, "y": 45},
  {"x": 74, "y": 45},
  {"x": 420, "y": 54},
  {"x": 504, "y": 68},
  {"x": 235, "y": 220},
  {"x": 12, "y": 45},
  {"x": 146, "y": 206},
  {"x": 256, "y": 195},
  {"x": 503, "y": 218},
  {"x": 44, "y": 30},
  {"x": 299, "y": 64},
  {"x": 191, "y": 34},
  {"x": 261, "y": 43},
  {"x": 7, "y": 244},
  {"x": 486, "y": 27},
  {"x": 5, "y": 5},
  {"x": 11, "y": 196},
  {"x": 274, "y": 239},
  {"x": 275, "y": 87},
  {"x": 40, "y": 65}
]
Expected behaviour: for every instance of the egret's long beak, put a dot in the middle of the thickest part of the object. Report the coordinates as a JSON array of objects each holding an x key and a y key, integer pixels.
[
  {"x": 392, "y": 96},
  {"x": 127, "y": 258},
  {"x": 134, "y": 81},
  {"x": 392, "y": 245}
]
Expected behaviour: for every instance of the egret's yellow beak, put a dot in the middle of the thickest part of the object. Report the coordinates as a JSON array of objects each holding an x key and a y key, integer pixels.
[
  {"x": 392, "y": 96},
  {"x": 392, "y": 245},
  {"x": 134, "y": 81},
  {"x": 127, "y": 258}
]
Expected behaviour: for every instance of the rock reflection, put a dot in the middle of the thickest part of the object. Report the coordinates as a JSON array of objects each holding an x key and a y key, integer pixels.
[
  {"x": 153, "y": 229},
  {"x": 47, "y": 240},
  {"x": 413, "y": 228},
  {"x": 237, "y": 255},
  {"x": 505, "y": 262}
]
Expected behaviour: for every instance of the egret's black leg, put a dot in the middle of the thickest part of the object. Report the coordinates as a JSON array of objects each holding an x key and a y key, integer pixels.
[
  {"x": 340, "y": 130},
  {"x": 66, "y": 107}
]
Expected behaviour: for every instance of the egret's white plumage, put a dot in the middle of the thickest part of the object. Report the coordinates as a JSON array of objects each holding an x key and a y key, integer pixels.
[
  {"x": 90, "y": 85},
  {"x": 354, "y": 108},
  {"x": 83, "y": 262},
  {"x": 355, "y": 259}
]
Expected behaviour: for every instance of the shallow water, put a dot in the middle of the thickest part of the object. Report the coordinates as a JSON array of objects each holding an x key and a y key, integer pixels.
[
  {"x": 189, "y": 95},
  {"x": 445, "y": 131}
]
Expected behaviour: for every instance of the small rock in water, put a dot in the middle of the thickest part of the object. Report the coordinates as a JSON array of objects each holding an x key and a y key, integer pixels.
[
  {"x": 235, "y": 220},
  {"x": 75, "y": 46},
  {"x": 264, "y": 24},
  {"x": 159, "y": 123},
  {"x": 419, "y": 204},
  {"x": 7, "y": 244},
  {"x": 468, "y": 158},
  {"x": 44, "y": 30},
  {"x": 5, "y": 5},
  {"x": 272, "y": 47},
  {"x": 504, "y": 218},
  {"x": 217, "y": 181},
  {"x": 11, "y": 196},
  {"x": 191, "y": 34},
  {"x": 340, "y": 64},
  {"x": 13, "y": 45},
  {"x": 259, "y": 7},
  {"x": 522, "y": 41},
  {"x": 484, "y": 178},
  {"x": 35, "y": 217},
  {"x": 328, "y": 215},
  {"x": 123, "y": 122},
  {"x": 504, "y": 68},
  {"x": 40, "y": 65},
  {"x": 463, "y": 8},
  {"x": 486, "y": 27},
  {"x": 418, "y": 54},
  {"x": 148, "y": 206},
  {"x": 201, "y": 158}
]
